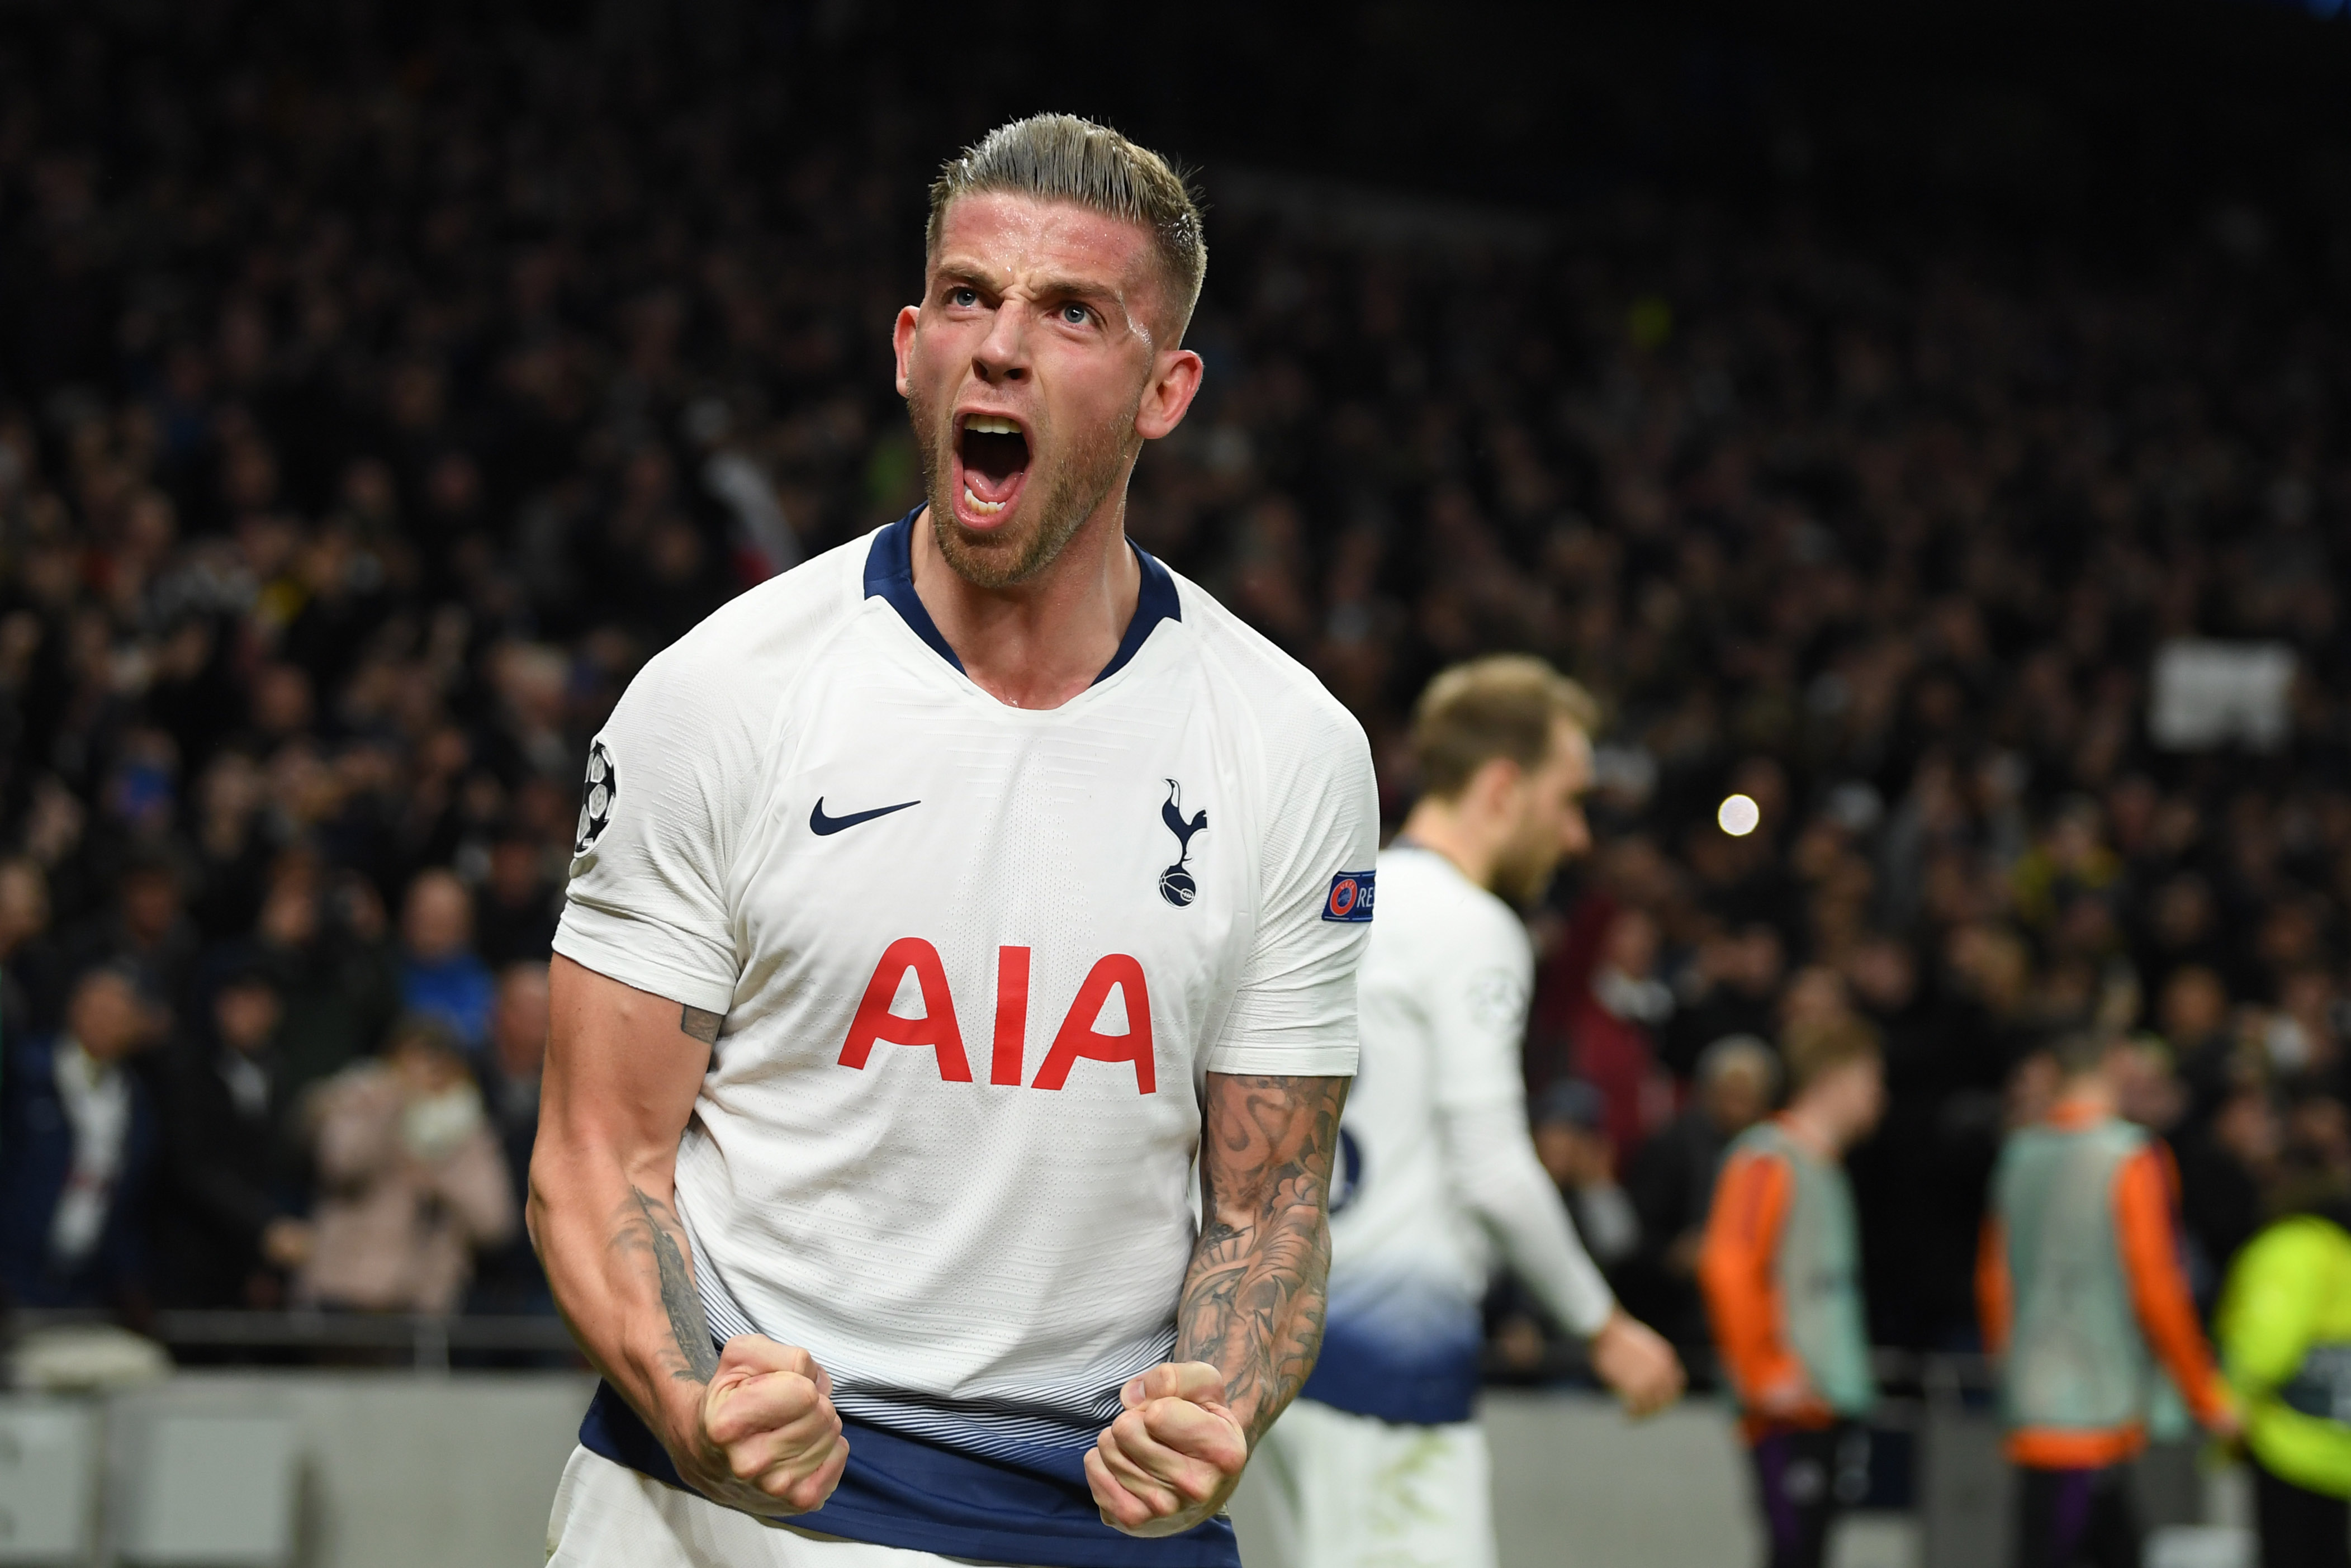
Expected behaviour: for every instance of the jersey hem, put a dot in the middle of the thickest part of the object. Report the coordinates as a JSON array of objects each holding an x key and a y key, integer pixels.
[
  {"x": 923, "y": 1497},
  {"x": 634, "y": 969},
  {"x": 1284, "y": 1061}
]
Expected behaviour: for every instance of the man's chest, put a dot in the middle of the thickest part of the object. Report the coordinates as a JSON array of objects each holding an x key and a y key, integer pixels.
[{"x": 1029, "y": 902}]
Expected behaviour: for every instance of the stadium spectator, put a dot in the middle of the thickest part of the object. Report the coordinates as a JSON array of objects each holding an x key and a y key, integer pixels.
[
  {"x": 2082, "y": 1292},
  {"x": 1611, "y": 1031},
  {"x": 336, "y": 985},
  {"x": 27, "y": 960},
  {"x": 342, "y": 487},
  {"x": 509, "y": 1279},
  {"x": 519, "y": 903},
  {"x": 1571, "y": 1133},
  {"x": 147, "y": 929},
  {"x": 1780, "y": 1270},
  {"x": 1671, "y": 1183},
  {"x": 412, "y": 1182},
  {"x": 78, "y": 1143},
  {"x": 227, "y": 1224},
  {"x": 440, "y": 974},
  {"x": 1731, "y": 987}
]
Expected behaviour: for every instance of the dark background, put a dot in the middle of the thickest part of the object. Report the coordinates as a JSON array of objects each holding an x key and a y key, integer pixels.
[{"x": 1855, "y": 397}]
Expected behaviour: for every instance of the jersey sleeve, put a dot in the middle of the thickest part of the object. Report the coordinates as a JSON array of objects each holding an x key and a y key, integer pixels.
[
  {"x": 1475, "y": 997},
  {"x": 647, "y": 902},
  {"x": 1293, "y": 1014},
  {"x": 2145, "y": 1196},
  {"x": 1737, "y": 1272}
]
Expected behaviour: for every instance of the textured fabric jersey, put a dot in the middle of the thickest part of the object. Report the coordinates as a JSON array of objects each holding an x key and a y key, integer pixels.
[
  {"x": 2080, "y": 1286},
  {"x": 975, "y": 963},
  {"x": 1779, "y": 1269},
  {"x": 2284, "y": 1328},
  {"x": 1437, "y": 1165}
]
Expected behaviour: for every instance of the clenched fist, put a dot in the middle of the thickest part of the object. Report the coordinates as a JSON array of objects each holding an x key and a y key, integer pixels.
[
  {"x": 765, "y": 1437},
  {"x": 1173, "y": 1455}
]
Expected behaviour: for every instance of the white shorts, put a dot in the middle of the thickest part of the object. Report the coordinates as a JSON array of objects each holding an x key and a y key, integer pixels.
[
  {"x": 609, "y": 1516},
  {"x": 1341, "y": 1490}
]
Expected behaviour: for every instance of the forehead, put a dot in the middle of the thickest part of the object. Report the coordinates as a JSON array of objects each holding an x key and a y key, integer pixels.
[
  {"x": 1020, "y": 235},
  {"x": 1571, "y": 748}
]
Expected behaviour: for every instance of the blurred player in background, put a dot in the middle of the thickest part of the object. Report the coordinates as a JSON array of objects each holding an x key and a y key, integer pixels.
[
  {"x": 937, "y": 905},
  {"x": 2285, "y": 1330},
  {"x": 2079, "y": 1279},
  {"x": 1781, "y": 1271},
  {"x": 1380, "y": 1462}
]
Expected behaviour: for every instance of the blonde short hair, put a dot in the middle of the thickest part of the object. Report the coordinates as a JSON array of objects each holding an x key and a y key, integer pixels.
[
  {"x": 1815, "y": 1049},
  {"x": 1506, "y": 705},
  {"x": 1062, "y": 158}
]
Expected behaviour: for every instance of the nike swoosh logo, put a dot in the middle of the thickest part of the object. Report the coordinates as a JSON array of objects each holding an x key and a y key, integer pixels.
[{"x": 819, "y": 823}]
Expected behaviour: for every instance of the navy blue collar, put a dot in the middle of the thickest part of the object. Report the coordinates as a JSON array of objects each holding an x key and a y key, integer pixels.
[{"x": 889, "y": 574}]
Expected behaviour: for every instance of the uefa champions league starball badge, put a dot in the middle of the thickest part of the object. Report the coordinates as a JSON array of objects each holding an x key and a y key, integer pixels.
[
  {"x": 1175, "y": 883},
  {"x": 603, "y": 789}
]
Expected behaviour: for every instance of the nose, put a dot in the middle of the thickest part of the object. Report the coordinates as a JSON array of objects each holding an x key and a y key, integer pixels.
[
  {"x": 1574, "y": 832},
  {"x": 1003, "y": 355}
]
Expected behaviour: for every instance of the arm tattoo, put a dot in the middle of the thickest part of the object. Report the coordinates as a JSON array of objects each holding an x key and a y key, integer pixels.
[
  {"x": 648, "y": 1223},
  {"x": 1253, "y": 1297},
  {"x": 702, "y": 1024}
]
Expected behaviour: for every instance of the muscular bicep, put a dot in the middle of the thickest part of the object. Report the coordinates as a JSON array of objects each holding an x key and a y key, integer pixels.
[{"x": 624, "y": 1067}]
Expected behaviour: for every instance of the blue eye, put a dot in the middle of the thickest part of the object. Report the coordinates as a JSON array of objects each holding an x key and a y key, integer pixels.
[
  {"x": 1076, "y": 315},
  {"x": 964, "y": 297}
]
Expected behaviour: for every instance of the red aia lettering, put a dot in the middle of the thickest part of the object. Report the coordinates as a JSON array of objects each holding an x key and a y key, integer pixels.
[
  {"x": 1077, "y": 1037},
  {"x": 936, "y": 1026},
  {"x": 1012, "y": 1016}
]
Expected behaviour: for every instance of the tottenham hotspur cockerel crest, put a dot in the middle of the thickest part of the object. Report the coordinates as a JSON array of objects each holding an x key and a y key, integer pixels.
[{"x": 1175, "y": 883}]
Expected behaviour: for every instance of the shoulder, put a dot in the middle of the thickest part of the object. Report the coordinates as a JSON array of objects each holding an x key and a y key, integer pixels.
[
  {"x": 763, "y": 629},
  {"x": 1755, "y": 1170},
  {"x": 1421, "y": 891},
  {"x": 2302, "y": 1235},
  {"x": 1760, "y": 1142},
  {"x": 1279, "y": 696}
]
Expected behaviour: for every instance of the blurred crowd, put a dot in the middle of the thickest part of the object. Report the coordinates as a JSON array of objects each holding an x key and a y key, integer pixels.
[{"x": 371, "y": 408}]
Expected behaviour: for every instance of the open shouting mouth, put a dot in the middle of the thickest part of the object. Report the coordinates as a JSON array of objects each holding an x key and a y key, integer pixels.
[{"x": 991, "y": 456}]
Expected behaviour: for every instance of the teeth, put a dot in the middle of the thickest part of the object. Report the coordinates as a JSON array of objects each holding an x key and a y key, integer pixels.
[
  {"x": 990, "y": 424},
  {"x": 985, "y": 509}
]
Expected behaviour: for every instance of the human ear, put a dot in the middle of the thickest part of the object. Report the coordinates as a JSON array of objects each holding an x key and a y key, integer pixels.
[
  {"x": 902, "y": 341},
  {"x": 1175, "y": 382},
  {"x": 1497, "y": 787}
]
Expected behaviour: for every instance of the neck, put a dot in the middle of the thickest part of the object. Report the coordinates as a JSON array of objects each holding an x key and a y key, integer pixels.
[
  {"x": 99, "y": 1064},
  {"x": 1810, "y": 1125},
  {"x": 2087, "y": 1095},
  {"x": 1036, "y": 644},
  {"x": 1441, "y": 826}
]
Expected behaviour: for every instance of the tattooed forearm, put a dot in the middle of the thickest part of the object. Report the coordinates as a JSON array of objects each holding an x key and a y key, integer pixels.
[
  {"x": 1253, "y": 1297},
  {"x": 701, "y": 1024},
  {"x": 648, "y": 1223}
]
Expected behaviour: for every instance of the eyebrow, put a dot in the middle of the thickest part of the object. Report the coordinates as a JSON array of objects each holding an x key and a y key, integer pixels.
[{"x": 1051, "y": 288}]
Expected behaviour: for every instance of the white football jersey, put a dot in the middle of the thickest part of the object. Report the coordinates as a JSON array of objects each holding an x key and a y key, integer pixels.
[
  {"x": 1444, "y": 992},
  {"x": 975, "y": 963}
]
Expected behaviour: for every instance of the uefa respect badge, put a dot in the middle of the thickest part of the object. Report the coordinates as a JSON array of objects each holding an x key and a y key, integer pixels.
[{"x": 1350, "y": 898}]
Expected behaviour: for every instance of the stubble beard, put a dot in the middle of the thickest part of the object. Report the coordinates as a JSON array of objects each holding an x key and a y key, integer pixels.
[
  {"x": 1053, "y": 503},
  {"x": 1522, "y": 874}
]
